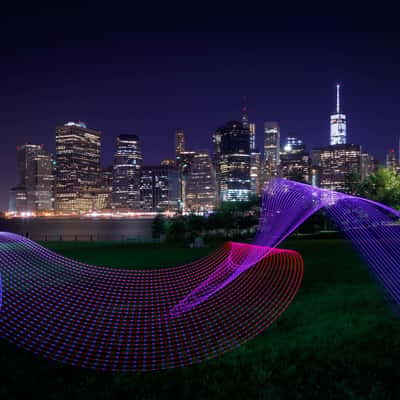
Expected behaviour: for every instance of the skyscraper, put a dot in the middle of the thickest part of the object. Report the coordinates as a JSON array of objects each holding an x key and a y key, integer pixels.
[
  {"x": 179, "y": 142},
  {"x": 252, "y": 129},
  {"x": 391, "y": 161},
  {"x": 77, "y": 166},
  {"x": 338, "y": 123},
  {"x": 160, "y": 188},
  {"x": 293, "y": 145},
  {"x": 245, "y": 116},
  {"x": 200, "y": 192},
  {"x": 126, "y": 173},
  {"x": 232, "y": 161},
  {"x": 271, "y": 149},
  {"x": 248, "y": 125},
  {"x": 336, "y": 165},
  {"x": 36, "y": 178},
  {"x": 184, "y": 161},
  {"x": 255, "y": 173}
]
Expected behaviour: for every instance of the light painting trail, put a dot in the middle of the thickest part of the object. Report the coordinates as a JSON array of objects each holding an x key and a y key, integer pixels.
[{"x": 135, "y": 320}]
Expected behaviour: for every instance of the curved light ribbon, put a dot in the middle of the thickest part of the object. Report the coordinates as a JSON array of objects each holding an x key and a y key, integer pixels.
[{"x": 129, "y": 320}]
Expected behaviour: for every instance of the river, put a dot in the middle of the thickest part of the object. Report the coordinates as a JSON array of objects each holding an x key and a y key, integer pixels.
[{"x": 79, "y": 229}]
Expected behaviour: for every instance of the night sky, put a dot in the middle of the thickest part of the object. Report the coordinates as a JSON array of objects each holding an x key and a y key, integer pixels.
[{"x": 125, "y": 70}]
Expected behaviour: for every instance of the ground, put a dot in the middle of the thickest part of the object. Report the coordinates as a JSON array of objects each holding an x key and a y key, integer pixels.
[{"x": 339, "y": 339}]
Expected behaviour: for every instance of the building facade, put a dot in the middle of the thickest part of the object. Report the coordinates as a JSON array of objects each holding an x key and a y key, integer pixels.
[
  {"x": 77, "y": 166},
  {"x": 255, "y": 173},
  {"x": 34, "y": 192},
  {"x": 338, "y": 123},
  {"x": 296, "y": 167},
  {"x": 200, "y": 188},
  {"x": 271, "y": 149},
  {"x": 252, "y": 129},
  {"x": 293, "y": 145},
  {"x": 126, "y": 173},
  {"x": 232, "y": 161},
  {"x": 160, "y": 189},
  {"x": 295, "y": 162},
  {"x": 391, "y": 161},
  {"x": 179, "y": 142},
  {"x": 336, "y": 164}
]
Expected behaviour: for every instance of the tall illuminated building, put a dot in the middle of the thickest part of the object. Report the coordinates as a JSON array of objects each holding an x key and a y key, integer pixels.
[
  {"x": 184, "y": 161},
  {"x": 255, "y": 173},
  {"x": 338, "y": 123},
  {"x": 252, "y": 129},
  {"x": 179, "y": 142},
  {"x": 271, "y": 149},
  {"x": 232, "y": 161},
  {"x": 293, "y": 145},
  {"x": 34, "y": 192},
  {"x": 245, "y": 116},
  {"x": 295, "y": 162},
  {"x": 248, "y": 125},
  {"x": 336, "y": 164},
  {"x": 391, "y": 161},
  {"x": 126, "y": 173},
  {"x": 160, "y": 188},
  {"x": 200, "y": 188},
  {"x": 255, "y": 156},
  {"x": 77, "y": 166}
]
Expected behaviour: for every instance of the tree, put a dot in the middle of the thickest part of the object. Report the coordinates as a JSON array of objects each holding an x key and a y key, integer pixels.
[
  {"x": 159, "y": 226},
  {"x": 177, "y": 229},
  {"x": 382, "y": 186},
  {"x": 353, "y": 182}
]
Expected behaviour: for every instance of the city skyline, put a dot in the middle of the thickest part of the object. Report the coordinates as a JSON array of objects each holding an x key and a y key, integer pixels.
[
  {"x": 82, "y": 184},
  {"x": 125, "y": 79}
]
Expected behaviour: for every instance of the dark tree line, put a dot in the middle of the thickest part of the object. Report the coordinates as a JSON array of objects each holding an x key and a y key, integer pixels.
[{"x": 231, "y": 219}]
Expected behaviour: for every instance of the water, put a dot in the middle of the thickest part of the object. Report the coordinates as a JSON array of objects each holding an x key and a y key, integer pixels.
[{"x": 79, "y": 229}]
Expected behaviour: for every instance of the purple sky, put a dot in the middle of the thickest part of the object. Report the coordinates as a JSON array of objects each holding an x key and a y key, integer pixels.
[{"x": 130, "y": 71}]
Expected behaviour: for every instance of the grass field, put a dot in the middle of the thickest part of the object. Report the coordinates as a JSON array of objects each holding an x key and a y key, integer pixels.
[{"x": 338, "y": 339}]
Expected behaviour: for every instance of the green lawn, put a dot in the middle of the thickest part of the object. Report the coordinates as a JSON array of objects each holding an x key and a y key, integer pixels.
[
  {"x": 128, "y": 255},
  {"x": 337, "y": 340}
]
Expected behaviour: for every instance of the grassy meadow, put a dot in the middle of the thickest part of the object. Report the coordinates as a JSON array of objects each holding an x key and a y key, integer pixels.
[{"x": 338, "y": 339}]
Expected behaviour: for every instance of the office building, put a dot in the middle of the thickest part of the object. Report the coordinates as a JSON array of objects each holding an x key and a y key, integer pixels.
[
  {"x": 293, "y": 145},
  {"x": 296, "y": 166},
  {"x": 77, "y": 166},
  {"x": 295, "y": 162},
  {"x": 232, "y": 161},
  {"x": 34, "y": 192},
  {"x": 18, "y": 201},
  {"x": 106, "y": 177},
  {"x": 252, "y": 129},
  {"x": 160, "y": 189},
  {"x": 338, "y": 123},
  {"x": 336, "y": 163},
  {"x": 200, "y": 186},
  {"x": 169, "y": 161},
  {"x": 126, "y": 173},
  {"x": 391, "y": 161},
  {"x": 369, "y": 165},
  {"x": 255, "y": 173},
  {"x": 179, "y": 142},
  {"x": 271, "y": 149}
]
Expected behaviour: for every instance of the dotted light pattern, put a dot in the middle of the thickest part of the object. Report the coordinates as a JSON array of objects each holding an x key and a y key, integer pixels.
[
  {"x": 127, "y": 320},
  {"x": 373, "y": 228},
  {"x": 119, "y": 320}
]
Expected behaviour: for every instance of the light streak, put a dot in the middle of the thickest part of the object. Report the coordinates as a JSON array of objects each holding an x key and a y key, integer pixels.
[{"x": 136, "y": 320}]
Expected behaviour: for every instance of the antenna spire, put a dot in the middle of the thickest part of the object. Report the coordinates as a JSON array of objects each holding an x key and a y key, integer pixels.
[
  {"x": 245, "y": 117},
  {"x": 337, "y": 99}
]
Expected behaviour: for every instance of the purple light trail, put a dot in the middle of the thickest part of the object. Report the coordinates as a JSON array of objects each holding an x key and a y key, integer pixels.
[{"x": 131, "y": 320}]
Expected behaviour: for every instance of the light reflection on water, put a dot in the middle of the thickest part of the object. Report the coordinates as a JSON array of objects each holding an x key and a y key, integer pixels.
[{"x": 78, "y": 229}]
